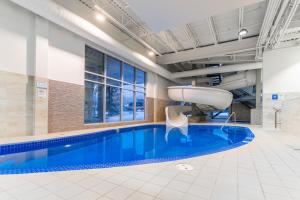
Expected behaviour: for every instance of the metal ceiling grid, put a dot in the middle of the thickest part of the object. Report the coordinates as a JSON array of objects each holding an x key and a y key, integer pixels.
[
  {"x": 227, "y": 26},
  {"x": 183, "y": 37},
  {"x": 202, "y": 32},
  {"x": 295, "y": 23},
  {"x": 253, "y": 17},
  {"x": 121, "y": 12}
]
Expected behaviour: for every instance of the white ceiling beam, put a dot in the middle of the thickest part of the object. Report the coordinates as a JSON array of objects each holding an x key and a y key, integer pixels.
[
  {"x": 174, "y": 39},
  {"x": 191, "y": 35},
  {"x": 212, "y": 29},
  {"x": 217, "y": 70},
  {"x": 208, "y": 52},
  {"x": 241, "y": 21},
  {"x": 224, "y": 60},
  {"x": 166, "y": 38},
  {"x": 293, "y": 8},
  {"x": 266, "y": 27},
  {"x": 291, "y": 34}
]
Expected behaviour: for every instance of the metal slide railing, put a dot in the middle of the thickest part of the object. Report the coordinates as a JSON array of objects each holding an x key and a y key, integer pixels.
[{"x": 233, "y": 114}]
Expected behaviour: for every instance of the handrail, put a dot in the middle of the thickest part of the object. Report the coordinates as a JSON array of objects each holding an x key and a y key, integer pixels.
[
  {"x": 233, "y": 114},
  {"x": 283, "y": 104},
  {"x": 276, "y": 118}
]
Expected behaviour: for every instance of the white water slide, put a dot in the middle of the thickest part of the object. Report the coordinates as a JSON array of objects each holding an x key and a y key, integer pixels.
[{"x": 216, "y": 98}]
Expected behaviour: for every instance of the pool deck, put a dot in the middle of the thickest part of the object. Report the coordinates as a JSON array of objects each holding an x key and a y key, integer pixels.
[{"x": 267, "y": 168}]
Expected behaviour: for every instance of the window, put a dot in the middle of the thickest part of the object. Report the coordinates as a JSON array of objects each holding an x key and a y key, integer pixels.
[
  {"x": 113, "y": 104},
  {"x": 128, "y": 73},
  {"x": 114, "y": 91},
  {"x": 140, "y": 78},
  {"x": 128, "y": 105},
  {"x": 113, "y": 68},
  {"x": 140, "y": 94},
  {"x": 93, "y": 108},
  {"x": 140, "y": 106},
  {"x": 94, "y": 68},
  {"x": 94, "y": 61}
]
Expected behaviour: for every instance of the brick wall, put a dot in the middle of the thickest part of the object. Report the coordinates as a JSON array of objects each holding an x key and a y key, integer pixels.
[{"x": 66, "y": 109}]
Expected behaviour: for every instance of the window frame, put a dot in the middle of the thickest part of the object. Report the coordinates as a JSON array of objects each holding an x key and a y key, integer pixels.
[{"x": 122, "y": 88}]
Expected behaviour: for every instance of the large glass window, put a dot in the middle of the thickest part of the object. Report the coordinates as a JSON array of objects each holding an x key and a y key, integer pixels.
[
  {"x": 128, "y": 73},
  {"x": 93, "y": 106},
  {"x": 113, "y": 104},
  {"x": 94, "y": 61},
  {"x": 113, "y": 68},
  {"x": 117, "y": 95},
  {"x": 140, "y": 78},
  {"x": 140, "y": 106},
  {"x": 128, "y": 105}
]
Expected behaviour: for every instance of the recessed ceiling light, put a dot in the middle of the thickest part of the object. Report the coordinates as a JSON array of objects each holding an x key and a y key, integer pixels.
[
  {"x": 151, "y": 53},
  {"x": 100, "y": 17},
  {"x": 243, "y": 32}
]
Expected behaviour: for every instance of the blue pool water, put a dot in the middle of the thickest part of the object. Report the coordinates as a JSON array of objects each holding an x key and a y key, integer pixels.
[{"x": 119, "y": 147}]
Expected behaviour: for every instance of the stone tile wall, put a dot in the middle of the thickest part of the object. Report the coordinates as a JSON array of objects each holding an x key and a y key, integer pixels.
[
  {"x": 288, "y": 117},
  {"x": 16, "y": 104},
  {"x": 160, "y": 106}
]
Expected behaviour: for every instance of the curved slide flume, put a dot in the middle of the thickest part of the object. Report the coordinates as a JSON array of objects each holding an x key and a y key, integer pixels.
[{"x": 207, "y": 98}]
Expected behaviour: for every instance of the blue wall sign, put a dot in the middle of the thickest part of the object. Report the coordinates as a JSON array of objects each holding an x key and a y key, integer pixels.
[{"x": 274, "y": 97}]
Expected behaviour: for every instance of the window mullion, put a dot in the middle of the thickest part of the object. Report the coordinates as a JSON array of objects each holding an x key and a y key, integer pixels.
[
  {"x": 121, "y": 93},
  {"x": 104, "y": 95}
]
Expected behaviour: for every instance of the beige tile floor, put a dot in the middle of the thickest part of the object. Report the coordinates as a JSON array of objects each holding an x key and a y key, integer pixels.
[{"x": 267, "y": 168}]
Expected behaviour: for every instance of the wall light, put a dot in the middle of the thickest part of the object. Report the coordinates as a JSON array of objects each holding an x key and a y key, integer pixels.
[
  {"x": 100, "y": 17},
  {"x": 151, "y": 53}
]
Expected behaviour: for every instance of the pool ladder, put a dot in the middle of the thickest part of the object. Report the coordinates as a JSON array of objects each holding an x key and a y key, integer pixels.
[{"x": 233, "y": 114}]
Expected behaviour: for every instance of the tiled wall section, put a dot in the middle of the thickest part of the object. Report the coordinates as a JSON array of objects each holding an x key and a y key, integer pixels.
[
  {"x": 66, "y": 108},
  {"x": 160, "y": 105},
  {"x": 150, "y": 109},
  {"x": 16, "y": 104},
  {"x": 288, "y": 117}
]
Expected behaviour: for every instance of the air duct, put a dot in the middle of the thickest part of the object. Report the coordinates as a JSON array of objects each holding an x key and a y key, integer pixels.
[
  {"x": 217, "y": 70},
  {"x": 240, "y": 80}
]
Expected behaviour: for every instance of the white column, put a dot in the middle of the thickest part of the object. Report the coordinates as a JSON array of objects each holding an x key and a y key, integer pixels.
[
  {"x": 40, "y": 103},
  {"x": 258, "y": 88},
  {"x": 256, "y": 113}
]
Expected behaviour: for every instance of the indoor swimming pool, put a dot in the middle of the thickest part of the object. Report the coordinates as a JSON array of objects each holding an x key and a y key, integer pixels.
[{"x": 119, "y": 147}]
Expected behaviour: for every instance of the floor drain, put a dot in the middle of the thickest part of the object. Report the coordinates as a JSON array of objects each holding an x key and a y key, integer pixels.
[{"x": 184, "y": 167}]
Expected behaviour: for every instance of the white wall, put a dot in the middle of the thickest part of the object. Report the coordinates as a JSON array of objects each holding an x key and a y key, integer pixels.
[
  {"x": 66, "y": 56},
  {"x": 281, "y": 70},
  {"x": 16, "y": 39},
  {"x": 65, "y": 52},
  {"x": 281, "y": 75},
  {"x": 157, "y": 86}
]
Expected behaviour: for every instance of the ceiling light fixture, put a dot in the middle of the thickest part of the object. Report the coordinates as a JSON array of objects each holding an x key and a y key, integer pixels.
[
  {"x": 243, "y": 32},
  {"x": 100, "y": 17},
  {"x": 151, "y": 53}
]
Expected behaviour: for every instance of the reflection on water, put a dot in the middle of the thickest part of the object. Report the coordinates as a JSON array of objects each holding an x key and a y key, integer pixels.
[
  {"x": 175, "y": 130},
  {"x": 127, "y": 146}
]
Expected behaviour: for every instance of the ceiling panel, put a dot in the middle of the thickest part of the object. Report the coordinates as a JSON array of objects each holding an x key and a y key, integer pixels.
[{"x": 166, "y": 14}]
